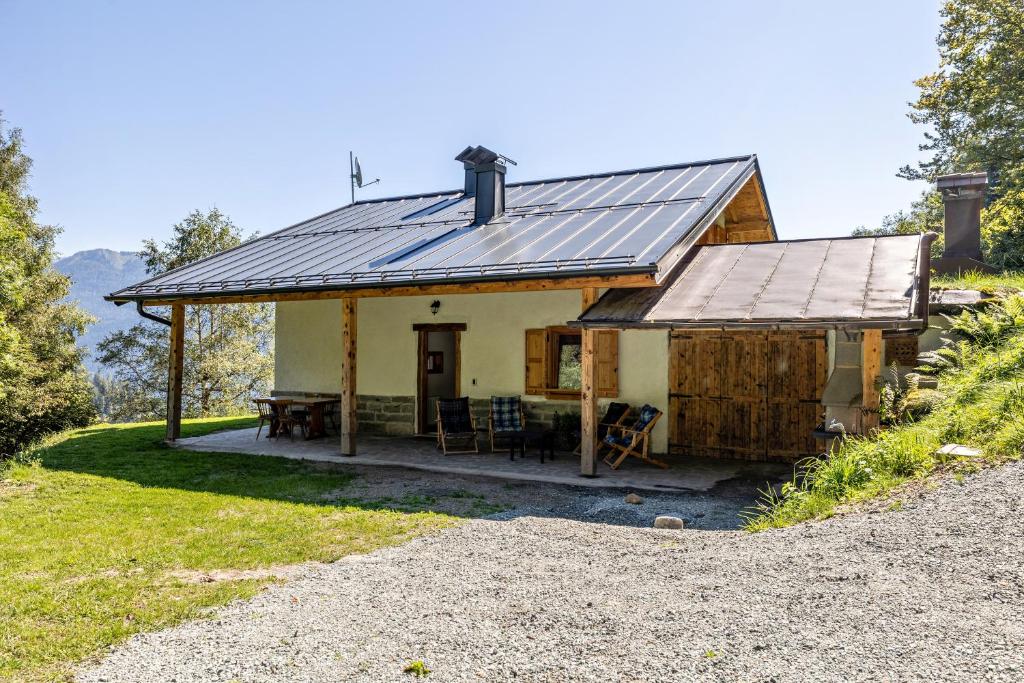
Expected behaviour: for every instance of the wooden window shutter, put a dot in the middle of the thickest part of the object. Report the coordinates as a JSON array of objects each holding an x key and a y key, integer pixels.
[
  {"x": 608, "y": 363},
  {"x": 536, "y": 361}
]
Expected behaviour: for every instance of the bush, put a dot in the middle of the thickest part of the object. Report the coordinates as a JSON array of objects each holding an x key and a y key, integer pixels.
[
  {"x": 567, "y": 430},
  {"x": 30, "y": 412}
]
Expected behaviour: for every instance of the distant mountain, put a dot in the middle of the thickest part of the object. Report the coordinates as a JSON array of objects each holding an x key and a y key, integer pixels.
[{"x": 95, "y": 273}]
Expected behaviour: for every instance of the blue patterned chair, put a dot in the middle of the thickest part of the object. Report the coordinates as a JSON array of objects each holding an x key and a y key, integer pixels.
[
  {"x": 505, "y": 418},
  {"x": 634, "y": 440}
]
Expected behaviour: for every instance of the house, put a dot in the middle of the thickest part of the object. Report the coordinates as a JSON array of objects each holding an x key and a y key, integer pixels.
[{"x": 663, "y": 285}]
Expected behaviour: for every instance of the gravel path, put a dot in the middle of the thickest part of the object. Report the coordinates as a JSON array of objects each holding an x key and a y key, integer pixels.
[{"x": 932, "y": 591}]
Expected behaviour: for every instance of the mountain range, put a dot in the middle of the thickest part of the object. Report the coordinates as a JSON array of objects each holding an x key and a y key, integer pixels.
[{"x": 95, "y": 273}]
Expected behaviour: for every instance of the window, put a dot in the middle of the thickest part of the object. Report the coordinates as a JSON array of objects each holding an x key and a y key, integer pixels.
[
  {"x": 569, "y": 354},
  {"x": 554, "y": 366}
]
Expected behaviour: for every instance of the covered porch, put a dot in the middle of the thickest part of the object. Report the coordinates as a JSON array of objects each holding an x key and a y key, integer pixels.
[
  {"x": 684, "y": 474},
  {"x": 358, "y": 346}
]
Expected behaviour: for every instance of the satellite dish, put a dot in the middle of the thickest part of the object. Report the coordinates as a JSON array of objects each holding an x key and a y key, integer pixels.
[{"x": 356, "y": 175}]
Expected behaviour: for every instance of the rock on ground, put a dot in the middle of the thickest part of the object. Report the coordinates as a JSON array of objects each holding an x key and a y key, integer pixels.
[
  {"x": 932, "y": 591},
  {"x": 668, "y": 522}
]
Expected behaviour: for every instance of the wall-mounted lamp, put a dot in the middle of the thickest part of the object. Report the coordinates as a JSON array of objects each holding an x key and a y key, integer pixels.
[{"x": 435, "y": 306}]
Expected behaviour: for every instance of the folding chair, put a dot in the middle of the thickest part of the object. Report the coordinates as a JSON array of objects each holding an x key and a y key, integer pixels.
[
  {"x": 613, "y": 417},
  {"x": 505, "y": 417},
  {"x": 633, "y": 441},
  {"x": 455, "y": 422}
]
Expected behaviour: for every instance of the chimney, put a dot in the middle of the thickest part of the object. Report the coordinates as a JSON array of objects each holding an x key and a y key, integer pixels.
[
  {"x": 963, "y": 195},
  {"x": 485, "y": 180},
  {"x": 470, "y": 190}
]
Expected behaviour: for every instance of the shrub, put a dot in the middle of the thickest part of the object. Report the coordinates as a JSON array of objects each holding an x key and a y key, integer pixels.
[
  {"x": 28, "y": 413},
  {"x": 567, "y": 430}
]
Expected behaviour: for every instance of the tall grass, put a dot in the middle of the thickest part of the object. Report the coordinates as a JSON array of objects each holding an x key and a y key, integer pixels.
[
  {"x": 980, "y": 404},
  {"x": 984, "y": 282}
]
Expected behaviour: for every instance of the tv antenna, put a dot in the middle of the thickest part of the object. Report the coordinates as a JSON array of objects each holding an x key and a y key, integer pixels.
[{"x": 356, "y": 175}]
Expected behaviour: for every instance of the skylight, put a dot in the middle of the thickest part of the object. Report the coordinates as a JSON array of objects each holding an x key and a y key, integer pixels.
[{"x": 433, "y": 208}]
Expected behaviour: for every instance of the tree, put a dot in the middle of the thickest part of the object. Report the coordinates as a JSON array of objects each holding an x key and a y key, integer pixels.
[
  {"x": 228, "y": 356},
  {"x": 925, "y": 215},
  {"x": 973, "y": 106},
  {"x": 43, "y": 386}
]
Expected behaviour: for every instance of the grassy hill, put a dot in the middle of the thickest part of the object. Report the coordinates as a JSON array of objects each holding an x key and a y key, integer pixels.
[{"x": 979, "y": 403}]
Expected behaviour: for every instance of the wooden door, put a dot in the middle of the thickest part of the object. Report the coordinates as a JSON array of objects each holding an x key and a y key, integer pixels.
[
  {"x": 426, "y": 414},
  {"x": 797, "y": 370},
  {"x": 750, "y": 395},
  {"x": 716, "y": 394}
]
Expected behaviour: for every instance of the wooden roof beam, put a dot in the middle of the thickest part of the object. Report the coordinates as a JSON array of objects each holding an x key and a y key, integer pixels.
[
  {"x": 539, "y": 285},
  {"x": 762, "y": 235}
]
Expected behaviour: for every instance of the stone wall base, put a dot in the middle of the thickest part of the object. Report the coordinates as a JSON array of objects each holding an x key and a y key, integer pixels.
[
  {"x": 538, "y": 414},
  {"x": 388, "y": 415},
  {"x": 396, "y": 415}
]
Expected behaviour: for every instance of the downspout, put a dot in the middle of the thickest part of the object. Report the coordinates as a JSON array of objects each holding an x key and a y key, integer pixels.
[
  {"x": 924, "y": 269},
  {"x": 151, "y": 316}
]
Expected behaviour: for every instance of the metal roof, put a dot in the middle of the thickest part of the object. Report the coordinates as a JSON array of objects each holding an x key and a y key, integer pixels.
[
  {"x": 839, "y": 282},
  {"x": 611, "y": 223}
]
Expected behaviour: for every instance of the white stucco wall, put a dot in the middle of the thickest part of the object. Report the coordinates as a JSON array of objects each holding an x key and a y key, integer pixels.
[
  {"x": 308, "y": 346},
  {"x": 643, "y": 376},
  {"x": 307, "y": 339}
]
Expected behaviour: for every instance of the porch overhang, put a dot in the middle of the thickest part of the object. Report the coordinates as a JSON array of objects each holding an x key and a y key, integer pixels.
[
  {"x": 841, "y": 283},
  {"x": 164, "y": 296}
]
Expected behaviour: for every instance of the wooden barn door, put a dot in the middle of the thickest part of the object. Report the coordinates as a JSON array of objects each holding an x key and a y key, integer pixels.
[
  {"x": 749, "y": 395},
  {"x": 716, "y": 394},
  {"x": 797, "y": 370}
]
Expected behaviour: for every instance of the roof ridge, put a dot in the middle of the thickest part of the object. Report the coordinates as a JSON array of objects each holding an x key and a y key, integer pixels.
[
  {"x": 841, "y": 238},
  {"x": 585, "y": 176}
]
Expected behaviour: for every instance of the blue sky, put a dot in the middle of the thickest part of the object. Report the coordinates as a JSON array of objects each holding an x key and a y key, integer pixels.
[{"x": 137, "y": 113}]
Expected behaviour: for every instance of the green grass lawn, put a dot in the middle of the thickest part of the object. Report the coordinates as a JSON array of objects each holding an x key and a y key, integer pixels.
[{"x": 101, "y": 527}]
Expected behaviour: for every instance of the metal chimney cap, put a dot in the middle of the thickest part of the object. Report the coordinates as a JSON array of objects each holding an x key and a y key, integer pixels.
[
  {"x": 961, "y": 180},
  {"x": 477, "y": 155}
]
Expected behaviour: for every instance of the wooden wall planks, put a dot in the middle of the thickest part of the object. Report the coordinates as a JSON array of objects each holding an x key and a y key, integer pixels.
[{"x": 750, "y": 395}]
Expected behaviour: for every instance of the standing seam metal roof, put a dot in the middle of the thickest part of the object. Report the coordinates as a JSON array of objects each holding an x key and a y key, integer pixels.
[
  {"x": 849, "y": 281},
  {"x": 608, "y": 223}
]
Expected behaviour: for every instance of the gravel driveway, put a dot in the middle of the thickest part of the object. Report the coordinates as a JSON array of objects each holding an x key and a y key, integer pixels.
[{"x": 932, "y": 591}]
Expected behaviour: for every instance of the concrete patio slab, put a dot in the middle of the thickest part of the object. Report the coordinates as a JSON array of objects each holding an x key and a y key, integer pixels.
[{"x": 685, "y": 473}]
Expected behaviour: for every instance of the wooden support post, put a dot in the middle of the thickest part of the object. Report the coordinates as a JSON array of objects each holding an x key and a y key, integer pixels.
[
  {"x": 588, "y": 404},
  {"x": 457, "y": 352},
  {"x": 589, "y": 297},
  {"x": 348, "y": 376},
  {"x": 871, "y": 368},
  {"x": 175, "y": 368},
  {"x": 588, "y": 392}
]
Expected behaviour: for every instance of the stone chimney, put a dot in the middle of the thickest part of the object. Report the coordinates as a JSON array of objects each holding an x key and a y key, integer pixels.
[{"x": 963, "y": 195}]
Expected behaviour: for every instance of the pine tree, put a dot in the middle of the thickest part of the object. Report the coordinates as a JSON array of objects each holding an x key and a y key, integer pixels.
[{"x": 43, "y": 386}]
